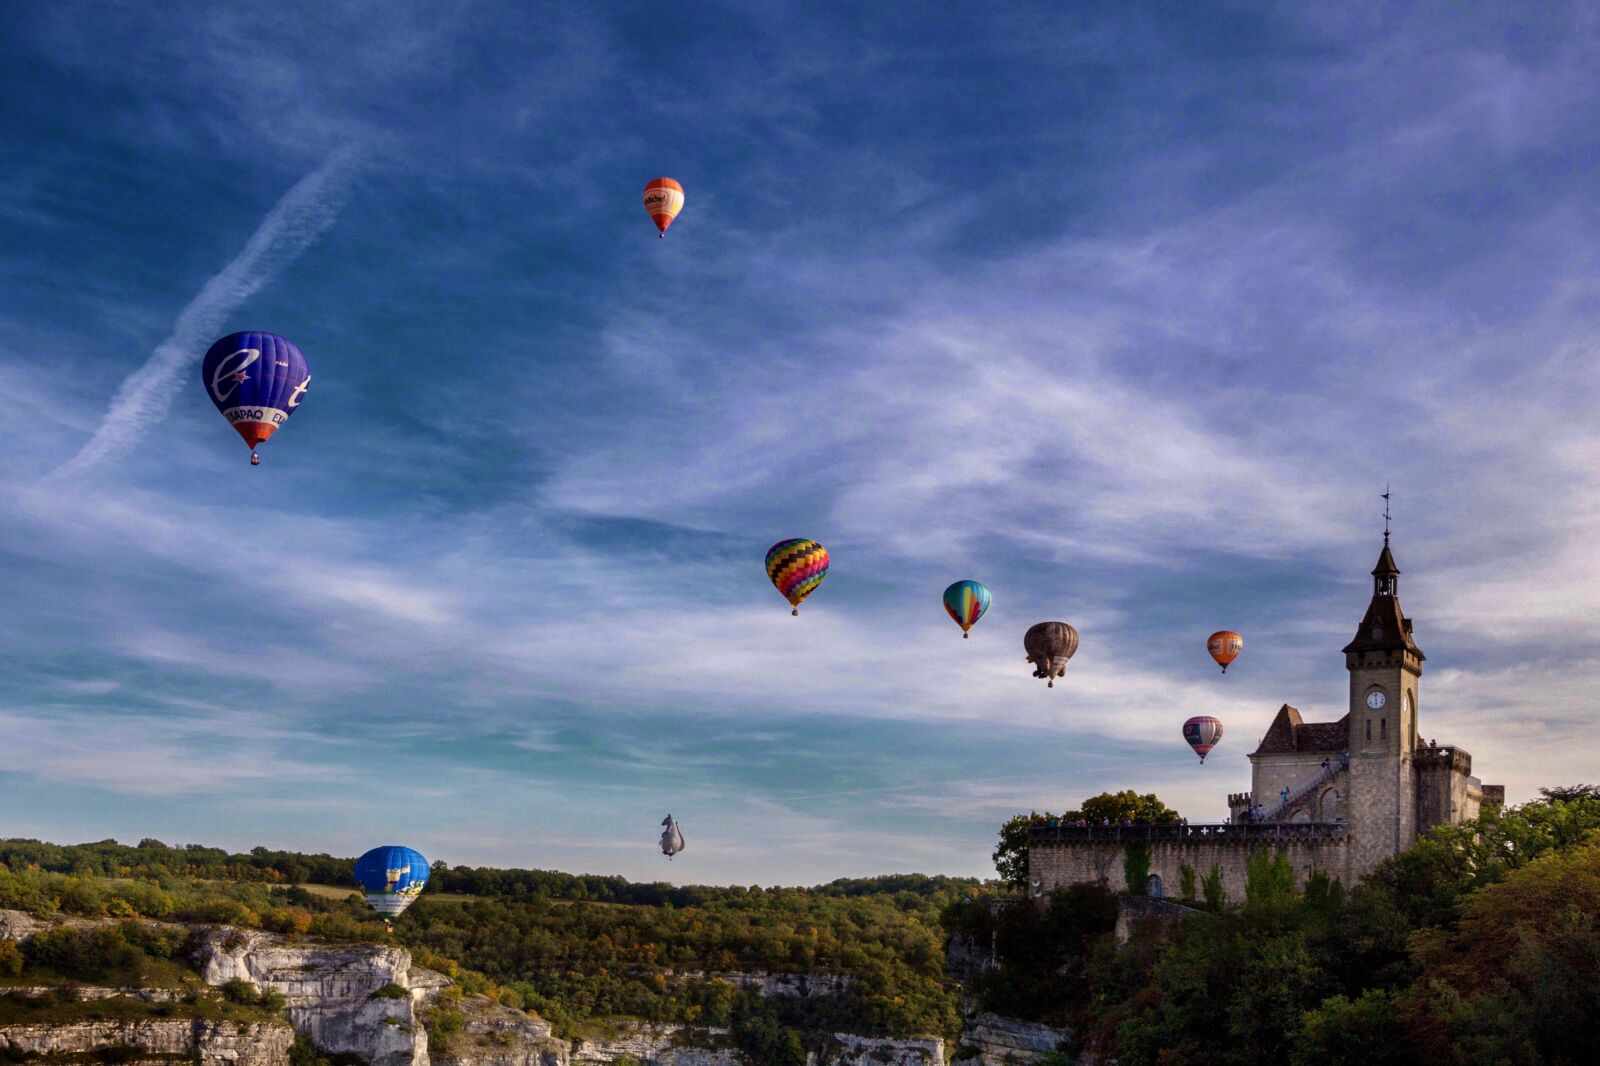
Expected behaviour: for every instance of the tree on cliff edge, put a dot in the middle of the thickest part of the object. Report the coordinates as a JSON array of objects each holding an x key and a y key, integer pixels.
[{"x": 1011, "y": 854}]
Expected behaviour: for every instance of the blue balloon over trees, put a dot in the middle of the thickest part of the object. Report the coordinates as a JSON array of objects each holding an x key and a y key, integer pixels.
[
  {"x": 392, "y": 877},
  {"x": 256, "y": 380}
]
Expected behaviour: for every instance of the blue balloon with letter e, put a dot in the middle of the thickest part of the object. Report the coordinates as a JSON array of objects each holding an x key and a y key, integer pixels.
[
  {"x": 256, "y": 380},
  {"x": 392, "y": 877}
]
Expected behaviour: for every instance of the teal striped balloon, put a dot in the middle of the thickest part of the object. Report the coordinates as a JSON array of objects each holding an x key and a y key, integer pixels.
[{"x": 966, "y": 602}]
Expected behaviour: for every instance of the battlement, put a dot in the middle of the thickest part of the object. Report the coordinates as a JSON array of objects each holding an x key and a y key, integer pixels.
[
  {"x": 1252, "y": 833},
  {"x": 1240, "y": 799},
  {"x": 1444, "y": 757}
]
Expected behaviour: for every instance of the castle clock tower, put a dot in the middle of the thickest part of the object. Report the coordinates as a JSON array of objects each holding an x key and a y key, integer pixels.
[{"x": 1385, "y": 666}]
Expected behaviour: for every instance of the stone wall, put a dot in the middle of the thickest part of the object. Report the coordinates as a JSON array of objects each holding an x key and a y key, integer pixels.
[
  {"x": 1447, "y": 793},
  {"x": 1142, "y": 912},
  {"x": 1055, "y": 864},
  {"x": 1270, "y": 774}
]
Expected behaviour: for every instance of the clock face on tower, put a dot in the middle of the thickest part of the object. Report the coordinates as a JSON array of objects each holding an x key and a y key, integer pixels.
[{"x": 1376, "y": 700}]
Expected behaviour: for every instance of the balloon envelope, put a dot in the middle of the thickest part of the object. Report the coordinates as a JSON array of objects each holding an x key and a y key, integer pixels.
[
  {"x": 1224, "y": 646},
  {"x": 671, "y": 837},
  {"x": 392, "y": 877},
  {"x": 1049, "y": 645},
  {"x": 796, "y": 568},
  {"x": 256, "y": 380},
  {"x": 663, "y": 198},
  {"x": 1202, "y": 732},
  {"x": 966, "y": 602}
]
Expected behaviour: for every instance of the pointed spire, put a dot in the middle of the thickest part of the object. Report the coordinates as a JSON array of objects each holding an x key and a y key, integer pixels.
[
  {"x": 1384, "y": 575},
  {"x": 1385, "y": 627}
]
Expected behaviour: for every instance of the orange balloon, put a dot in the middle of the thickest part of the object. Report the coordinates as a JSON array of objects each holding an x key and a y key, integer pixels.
[
  {"x": 663, "y": 198},
  {"x": 1224, "y": 646}
]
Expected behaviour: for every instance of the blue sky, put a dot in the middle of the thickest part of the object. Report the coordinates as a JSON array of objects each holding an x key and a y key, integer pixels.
[{"x": 1128, "y": 311}]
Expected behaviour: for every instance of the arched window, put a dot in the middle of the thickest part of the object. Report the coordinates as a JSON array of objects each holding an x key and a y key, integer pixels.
[{"x": 1154, "y": 887}]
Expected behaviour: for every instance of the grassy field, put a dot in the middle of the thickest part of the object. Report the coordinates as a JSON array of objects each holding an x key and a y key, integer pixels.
[{"x": 338, "y": 892}]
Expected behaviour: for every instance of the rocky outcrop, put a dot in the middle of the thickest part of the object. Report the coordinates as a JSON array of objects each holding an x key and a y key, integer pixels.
[
  {"x": 493, "y": 1035},
  {"x": 795, "y": 985},
  {"x": 351, "y": 999},
  {"x": 849, "y": 1050},
  {"x": 83, "y": 993},
  {"x": 194, "y": 1040},
  {"x": 656, "y": 1045},
  {"x": 991, "y": 1040},
  {"x": 20, "y": 925}
]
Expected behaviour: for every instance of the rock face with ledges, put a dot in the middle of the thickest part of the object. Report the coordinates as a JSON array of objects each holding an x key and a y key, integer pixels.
[
  {"x": 329, "y": 991},
  {"x": 195, "y": 1040},
  {"x": 991, "y": 1040},
  {"x": 852, "y": 1050},
  {"x": 499, "y": 1036},
  {"x": 656, "y": 1045}
]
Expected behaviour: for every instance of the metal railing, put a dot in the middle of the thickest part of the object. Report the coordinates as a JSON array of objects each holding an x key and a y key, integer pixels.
[{"x": 1192, "y": 833}]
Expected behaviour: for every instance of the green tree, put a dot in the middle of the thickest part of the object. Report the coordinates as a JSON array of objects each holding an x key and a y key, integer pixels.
[
  {"x": 1011, "y": 854},
  {"x": 1366, "y": 1030},
  {"x": 1127, "y": 804}
]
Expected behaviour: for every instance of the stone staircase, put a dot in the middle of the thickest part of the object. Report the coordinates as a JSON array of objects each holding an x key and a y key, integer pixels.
[{"x": 1306, "y": 788}]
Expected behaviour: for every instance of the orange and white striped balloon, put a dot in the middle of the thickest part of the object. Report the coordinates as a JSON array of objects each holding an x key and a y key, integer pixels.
[{"x": 663, "y": 198}]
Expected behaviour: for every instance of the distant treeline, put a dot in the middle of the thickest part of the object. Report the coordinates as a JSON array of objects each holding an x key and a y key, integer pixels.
[{"x": 151, "y": 858}]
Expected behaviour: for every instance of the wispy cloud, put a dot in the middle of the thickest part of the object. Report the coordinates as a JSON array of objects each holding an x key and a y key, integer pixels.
[{"x": 293, "y": 225}]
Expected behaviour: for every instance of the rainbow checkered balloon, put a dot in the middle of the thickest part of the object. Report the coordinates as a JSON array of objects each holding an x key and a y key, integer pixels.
[
  {"x": 966, "y": 601},
  {"x": 796, "y": 568}
]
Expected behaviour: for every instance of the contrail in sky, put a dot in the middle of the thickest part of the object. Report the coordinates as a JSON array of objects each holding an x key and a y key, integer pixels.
[{"x": 292, "y": 226}]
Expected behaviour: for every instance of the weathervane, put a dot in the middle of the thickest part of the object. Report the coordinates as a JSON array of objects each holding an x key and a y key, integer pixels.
[{"x": 1385, "y": 514}]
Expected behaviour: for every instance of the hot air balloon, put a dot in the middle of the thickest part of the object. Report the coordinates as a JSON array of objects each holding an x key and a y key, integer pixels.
[
  {"x": 1224, "y": 646},
  {"x": 1049, "y": 645},
  {"x": 392, "y": 877},
  {"x": 796, "y": 568},
  {"x": 256, "y": 380},
  {"x": 1203, "y": 732},
  {"x": 663, "y": 198},
  {"x": 671, "y": 837},
  {"x": 966, "y": 602}
]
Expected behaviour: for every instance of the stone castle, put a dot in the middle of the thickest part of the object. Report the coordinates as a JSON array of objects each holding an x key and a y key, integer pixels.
[{"x": 1333, "y": 797}]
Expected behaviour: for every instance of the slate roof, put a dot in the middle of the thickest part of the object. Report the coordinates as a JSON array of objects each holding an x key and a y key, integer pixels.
[
  {"x": 1384, "y": 628},
  {"x": 1290, "y": 733}
]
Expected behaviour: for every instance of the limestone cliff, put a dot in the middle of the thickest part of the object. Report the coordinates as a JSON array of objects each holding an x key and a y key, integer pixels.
[
  {"x": 368, "y": 1001},
  {"x": 354, "y": 999},
  {"x": 186, "y": 1039},
  {"x": 990, "y": 1040}
]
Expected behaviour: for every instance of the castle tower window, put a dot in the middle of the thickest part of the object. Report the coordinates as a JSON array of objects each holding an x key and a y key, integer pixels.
[
  {"x": 1369, "y": 731},
  {"x": 1383, "y": 729}
]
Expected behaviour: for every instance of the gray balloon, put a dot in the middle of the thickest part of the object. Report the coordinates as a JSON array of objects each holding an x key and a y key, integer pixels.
[
  {"x": 1049, "y": 645},
  {"x": 671, "y": 837}
]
